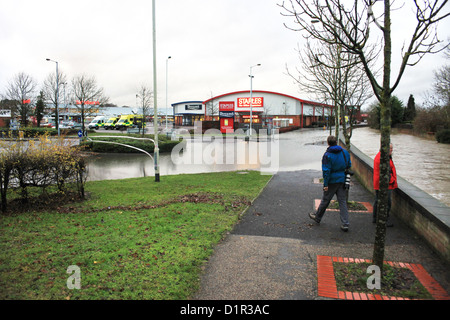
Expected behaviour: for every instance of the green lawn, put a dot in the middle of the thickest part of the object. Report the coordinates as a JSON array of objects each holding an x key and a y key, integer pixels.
[{"x": 131, "y": 239}]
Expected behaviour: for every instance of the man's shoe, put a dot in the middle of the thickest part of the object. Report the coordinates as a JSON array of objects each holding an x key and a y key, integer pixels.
[
  {"x": 314, "y": 217},
  {"x": 344, "y": 228}
]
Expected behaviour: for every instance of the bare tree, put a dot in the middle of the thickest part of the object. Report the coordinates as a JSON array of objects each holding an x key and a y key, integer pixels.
[
  {"x": 441, "y": 85},
  {"x": 266, "y": 114},
  {"x": 145, "y": 98},
  {"x": 21, "y": 90},
  {"x": 87, "y": 96},
  {"x": 53, "y": 85},
  {"x": 335, "y": 76},
  {"x": 212, "y": 108},
  {"x": 439, "y": 96},
  {"x": 349, "y": 27}
]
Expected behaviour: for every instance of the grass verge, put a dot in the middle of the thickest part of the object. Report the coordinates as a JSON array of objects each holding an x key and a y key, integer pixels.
[{"x": 132, "y": 238}]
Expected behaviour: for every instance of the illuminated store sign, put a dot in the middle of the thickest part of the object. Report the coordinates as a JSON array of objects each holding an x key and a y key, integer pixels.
[{"x": 245, "y": 102}]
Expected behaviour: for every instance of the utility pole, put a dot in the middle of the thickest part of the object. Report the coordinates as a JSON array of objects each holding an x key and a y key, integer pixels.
[
  {"x": 251, "y": 97},
  {"x": 155, "y": 100}
]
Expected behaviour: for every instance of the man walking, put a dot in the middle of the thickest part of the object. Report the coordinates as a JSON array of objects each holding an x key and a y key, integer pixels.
[{"x": 335, "y": 161}]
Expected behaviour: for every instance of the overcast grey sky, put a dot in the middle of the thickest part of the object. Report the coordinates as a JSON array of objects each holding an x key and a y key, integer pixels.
[{"x": 212, "y": 44}]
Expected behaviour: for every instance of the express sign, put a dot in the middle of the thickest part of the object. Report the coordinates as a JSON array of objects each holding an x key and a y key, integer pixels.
[
  {"x": 226, "y": 106},
  {"x": 245, "y": 102}
]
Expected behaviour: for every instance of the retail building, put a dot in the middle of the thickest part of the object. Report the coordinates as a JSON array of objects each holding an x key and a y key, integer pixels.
[
  {"x": 187, "y": 112},
  {"x": 269, "y": 108}
]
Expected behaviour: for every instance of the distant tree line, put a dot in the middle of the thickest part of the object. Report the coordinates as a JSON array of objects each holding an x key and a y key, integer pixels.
[
  {"x": 433, "y": 117},
  {"x": 22, "y": 98}
]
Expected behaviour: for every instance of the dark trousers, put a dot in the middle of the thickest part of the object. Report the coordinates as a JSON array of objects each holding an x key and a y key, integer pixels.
[
  {"x": 339, "y": 190},
  {"x": 375, "y": 205}
]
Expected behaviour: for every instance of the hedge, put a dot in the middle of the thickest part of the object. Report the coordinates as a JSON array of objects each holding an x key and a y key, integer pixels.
[
  {"x": 146, "y": 145},
  {"x": 33, "y": 132}
]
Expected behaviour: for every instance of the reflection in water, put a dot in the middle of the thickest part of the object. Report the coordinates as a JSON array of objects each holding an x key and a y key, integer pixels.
[
  {"x": 289, "y": 152},
  {"x": 108, "y": 166},
  {"x": 420, "y": 161}
]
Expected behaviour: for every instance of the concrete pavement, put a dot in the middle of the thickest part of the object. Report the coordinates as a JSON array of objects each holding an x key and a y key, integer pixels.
[{"x": 271, "y": 254}]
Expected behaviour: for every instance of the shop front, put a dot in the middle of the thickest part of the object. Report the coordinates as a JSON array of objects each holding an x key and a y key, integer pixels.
[
  {"x": 267, "y": 109},
  {"x": 245, "y": 117},
  {"x": 186, "y": 113}
]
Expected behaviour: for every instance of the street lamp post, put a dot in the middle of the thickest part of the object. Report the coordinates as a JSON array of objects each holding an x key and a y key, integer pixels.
[
  {"x": 251, "y": 97},
  {"x": 57, "y": 95},
  {"x": 155, "y": 99},
  {"x": 167, "y": 69}
]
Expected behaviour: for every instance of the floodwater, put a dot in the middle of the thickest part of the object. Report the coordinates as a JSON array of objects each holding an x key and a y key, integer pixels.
[
  {"x": 422, "y": 162},
  {"x": 290, "y": 151}
]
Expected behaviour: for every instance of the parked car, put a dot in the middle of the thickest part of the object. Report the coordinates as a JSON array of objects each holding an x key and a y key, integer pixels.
[
  {"x": 48, "y": 125},
  {"x": 70, "y": 125}
]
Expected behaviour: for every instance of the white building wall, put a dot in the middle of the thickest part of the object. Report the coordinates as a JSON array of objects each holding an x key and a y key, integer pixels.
[
  {"x": 274, "y": 104},
  {"x": 281, "y": 105}
]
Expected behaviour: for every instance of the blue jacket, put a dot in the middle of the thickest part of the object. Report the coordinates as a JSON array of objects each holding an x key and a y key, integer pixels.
[{"x": 334, "y": 165}]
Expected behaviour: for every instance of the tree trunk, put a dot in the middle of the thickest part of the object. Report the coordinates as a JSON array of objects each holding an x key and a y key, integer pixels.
[
  {"x": 385, "y": 127},
  {"x": 4, "y": 180}
]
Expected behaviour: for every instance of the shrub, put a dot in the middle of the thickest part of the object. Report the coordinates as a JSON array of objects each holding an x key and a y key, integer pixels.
[
  {"x": 40, "y": 164},
  {"x": 443, "y": 136},
  {"x": 431, "y": 119}
]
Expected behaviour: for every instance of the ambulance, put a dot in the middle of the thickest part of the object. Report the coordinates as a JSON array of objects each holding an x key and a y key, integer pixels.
[
  {"x": 97, "y": 122},
  {"x": 129, "y": 121},
  {"x": 110, "y": 124}
]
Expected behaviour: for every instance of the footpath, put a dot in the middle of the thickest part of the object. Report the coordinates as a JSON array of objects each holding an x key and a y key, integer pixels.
[{"x": 276, "y": 252}]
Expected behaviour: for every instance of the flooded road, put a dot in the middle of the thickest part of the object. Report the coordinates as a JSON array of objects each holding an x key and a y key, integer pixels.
[
  {"x": 422, "y": 162},
  {"x": 291, "y": 151}
]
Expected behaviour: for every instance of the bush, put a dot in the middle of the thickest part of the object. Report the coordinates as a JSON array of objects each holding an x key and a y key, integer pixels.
[
  {"x": 443, "y": 136},
  {"x": 31, "y": 132},
  {"x": 165, "y": 145},
  {"x": 40, "y": 164},
  {"x": 432, "y": 119}
]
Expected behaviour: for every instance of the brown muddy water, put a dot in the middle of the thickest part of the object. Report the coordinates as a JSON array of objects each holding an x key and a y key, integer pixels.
[{"x": 422, "y": 162}]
